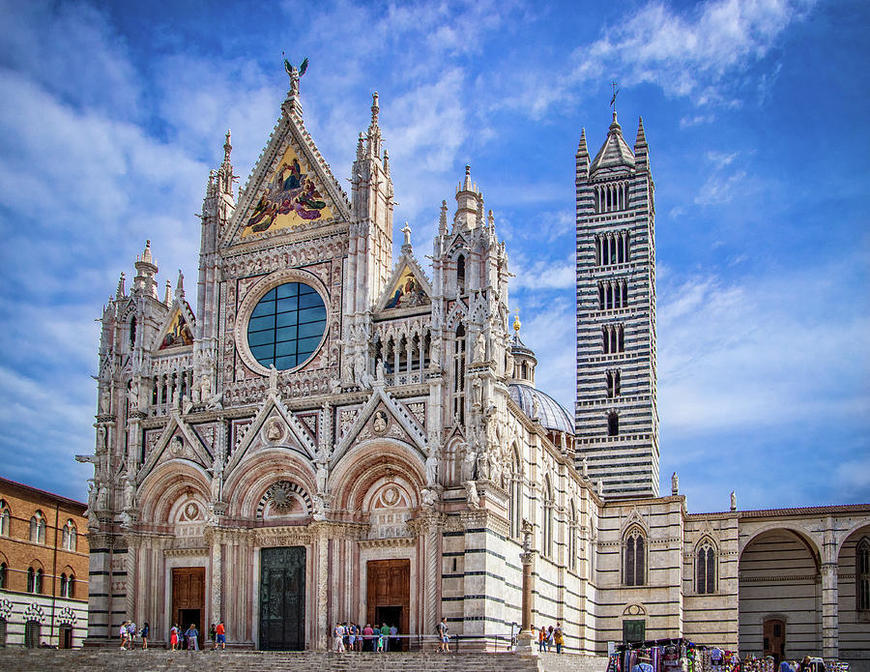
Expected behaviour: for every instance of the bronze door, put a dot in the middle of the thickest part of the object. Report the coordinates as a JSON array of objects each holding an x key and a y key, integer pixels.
[
  {"x": 188, "y": 597},
  {"x": 774, "y": 639},
  {"x": 282, "y": 598},
  {"x": 389, "y": 592}
]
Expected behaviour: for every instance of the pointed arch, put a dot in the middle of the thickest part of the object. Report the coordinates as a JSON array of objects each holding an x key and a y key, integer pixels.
[
  {"x": 5, "y": 518},
  {"x": 634, "y": 553},
  {"x": 706, "y": 556}
]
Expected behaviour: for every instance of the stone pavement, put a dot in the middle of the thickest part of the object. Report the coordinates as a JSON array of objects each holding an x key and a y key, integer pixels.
[{"x": 81, "y": 660}]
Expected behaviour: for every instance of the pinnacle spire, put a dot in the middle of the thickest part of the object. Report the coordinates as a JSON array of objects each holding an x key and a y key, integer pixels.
[
  {"x": 376, "y": 109},
  {"x": 167, "y": 295},
  {"x": 442, "y": 220},
  {"x": 228, "y": 148},
  {"x": 467, "y": 186},
  {"x": 121, "y": 289},
  {"x": 582, "y": 149},
  {"x": 641, "y": 135},
  {"x": 179, "y": 286}
]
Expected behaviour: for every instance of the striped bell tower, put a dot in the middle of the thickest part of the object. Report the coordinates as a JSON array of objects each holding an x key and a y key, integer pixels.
[{"x": 616, "y": 417}]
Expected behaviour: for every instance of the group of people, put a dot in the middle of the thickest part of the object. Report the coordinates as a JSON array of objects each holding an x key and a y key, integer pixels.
[
  {"x": 551, "y": 636},
  {"x": 353, "y": 637},
  {"x": 127, "y": 633}
]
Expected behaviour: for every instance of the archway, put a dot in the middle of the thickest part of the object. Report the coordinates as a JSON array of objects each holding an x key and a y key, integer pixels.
[{"x": 780, "y": 588}]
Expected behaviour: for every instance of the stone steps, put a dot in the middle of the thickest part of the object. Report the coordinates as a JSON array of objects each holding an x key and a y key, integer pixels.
[{"x": 85, "y": 660}]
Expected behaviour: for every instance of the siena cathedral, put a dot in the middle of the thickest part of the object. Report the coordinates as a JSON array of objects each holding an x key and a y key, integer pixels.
[{"x": 329, "y": 430}]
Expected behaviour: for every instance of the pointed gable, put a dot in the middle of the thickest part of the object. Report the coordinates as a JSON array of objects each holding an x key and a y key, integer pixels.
[
  {"x": 291, "y": 187},
  {"x": 177, "y": 329}
]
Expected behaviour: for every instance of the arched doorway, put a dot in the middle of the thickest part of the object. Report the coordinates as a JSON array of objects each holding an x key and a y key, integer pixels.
[
  {"x": 780, "y": 589},
  {"x": 32, "y": 631}
]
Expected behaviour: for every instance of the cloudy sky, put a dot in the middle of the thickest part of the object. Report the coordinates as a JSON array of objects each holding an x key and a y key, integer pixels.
[{"x": 756, "y": 113}]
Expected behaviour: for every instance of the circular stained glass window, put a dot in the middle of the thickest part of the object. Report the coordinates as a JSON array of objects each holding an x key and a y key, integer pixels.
[{"x": 286, "y": 326}]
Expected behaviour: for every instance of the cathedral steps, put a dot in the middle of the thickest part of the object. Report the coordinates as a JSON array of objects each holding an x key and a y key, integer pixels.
[{"x": 81, "y": 660}]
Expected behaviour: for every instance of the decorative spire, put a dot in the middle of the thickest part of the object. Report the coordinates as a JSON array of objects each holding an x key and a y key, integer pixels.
[
  {"x": 614, "y": 125},
  {"x": 167, "y": 296},
  {"x": 467, "y": 186},
  {"x": 146, "y": 253},
  {"x": 517, "y": 324},
  {"x": 179, "y": 286},
  {"x": 442, "y": 221},
  {"x": 360, "y": 146},
  {"x": 641, "y": 136},
  {"x": 228, "y": 148},
  {"x": 121, "y": 289},
  {"x": 582, "y": 149},
  {"x": 386, "y": 162},
  {"x": 376, "y": 109},
  {"x": 490, "y": 219}
]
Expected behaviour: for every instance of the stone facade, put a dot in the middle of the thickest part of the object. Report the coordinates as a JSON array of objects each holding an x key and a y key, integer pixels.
[
  {"x": 43, "y": 568},
  {"x": 393, "y": 450}
]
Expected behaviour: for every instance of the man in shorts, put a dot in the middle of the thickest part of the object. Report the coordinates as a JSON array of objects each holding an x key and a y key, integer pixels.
[
  {"x": 443, "y": 638},
  {"x": 220, "y": 636}
]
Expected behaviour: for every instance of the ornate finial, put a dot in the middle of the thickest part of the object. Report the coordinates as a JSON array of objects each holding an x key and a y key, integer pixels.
[
  {"x": 292, "y": 104},
  {"x": 121, "y": 289},
  {"x": 167, "y": 295},
  {"x": 466, "y": 186},
  {"x": 442, "y": 221},
  {"x": 146, "y": 253},
  {"x": 375, "y": 109},
  {"x": 613, "y": 99},
  {"x": 386, "y": 161},
  {"x": 179, "y": 286},
  {"x": 228, "y": 147},
  {"x": 733, "y": 501},
  {"x": 360, "y": 146},
  {"x": 517, "y": 324},
  {"x": 490, "y": 218}
]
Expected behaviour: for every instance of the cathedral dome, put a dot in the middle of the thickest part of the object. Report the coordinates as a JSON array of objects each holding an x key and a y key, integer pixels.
[{"x": 550, "y": 412}]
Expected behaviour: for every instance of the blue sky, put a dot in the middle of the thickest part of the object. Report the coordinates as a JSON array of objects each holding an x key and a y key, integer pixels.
[{"x": 757, "y": 117}]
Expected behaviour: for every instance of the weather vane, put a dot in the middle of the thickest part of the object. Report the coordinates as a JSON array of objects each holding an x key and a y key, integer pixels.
[{"x": 615, "y": 93}]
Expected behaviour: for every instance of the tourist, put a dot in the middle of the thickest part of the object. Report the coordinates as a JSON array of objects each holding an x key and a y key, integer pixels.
[
  {"x": 192, "y": 635},
  {"x": 558, "y": 638},
  {"x": 385, "y": 635},
  {"x": 122, "y": 633},
  {"x": 443, "y": 637},
  {"x": 173, "y": 637},
  {"x": 542, "y": 638},
  {"x": 211, "y": 634},
  {"x": 131, "y": 635},
  {"x": 394, "y": 644},
  {"x": 367, "y": 634},
  {"x": 351, "y": 636},
  {"x": 338, "y": 635},
  {"x": 220, "y": 636},
  {"x": 146, "y": 629},
  {"x": 550, "y": 638},
  {"x": 379, "y": 638}
]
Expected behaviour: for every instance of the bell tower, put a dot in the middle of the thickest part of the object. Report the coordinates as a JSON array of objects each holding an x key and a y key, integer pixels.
[{"x": 616, "y": 415}]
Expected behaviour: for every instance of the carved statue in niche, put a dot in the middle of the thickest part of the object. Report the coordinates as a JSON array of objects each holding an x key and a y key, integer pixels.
[
  {"x": 322, "y": 477},
  {"x": 432, "y": 469},
  {"x": 479, "y": 348},
  {"x": 469, "y": 461},
  {"x": 105, "y": 400},
  {"x": 380, "y": 422}
]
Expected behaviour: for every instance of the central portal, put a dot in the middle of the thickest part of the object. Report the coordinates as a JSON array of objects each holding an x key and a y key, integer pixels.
[
  {"x": 282, "y": 598},
  {"x": 388, "y": 597}
]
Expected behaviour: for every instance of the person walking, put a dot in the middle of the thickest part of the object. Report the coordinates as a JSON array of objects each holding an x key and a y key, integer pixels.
[
  {"x": 131, "y": 635},
  {"x": 173, "y": 637},
  {"x": 146, "y": 629},
  {"x": 550, "y": 638},
  {"x": 192, "y": 638},
  {"x": 443, "y": 636},
  {"x": 220, "y": 638},
  {"x": 338, "y": 635},
  {"x": 122, "y": 633},
  {"x": 385, "y": 636},
  {"x": 368, "y": 633},
  {"x": 211, "y": 634},
  {"x": 542, "y": 638}
]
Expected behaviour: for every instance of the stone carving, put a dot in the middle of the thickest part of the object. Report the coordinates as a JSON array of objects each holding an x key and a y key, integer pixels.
[
  {"x": 471, "y": 495},
  {"x": 479, "y": 348},
  {"x": 432, "y": 469},
  {"x": 675, "y": 483},
  {"x": 380, "y": 422},
  {"x": 733, "y": 501},
  {"x": 275, "y": 430},
  {"x": 469, "y": 463}
]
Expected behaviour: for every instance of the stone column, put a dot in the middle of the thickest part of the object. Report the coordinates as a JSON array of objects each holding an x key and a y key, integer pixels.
[
  {"x": 321, "y": 584},
  {"x": 216, "y": 609},
  {"x": 526, "y": 638},
  {"x": 428, "y": 528},
  {"x": 830, "y": 598}
]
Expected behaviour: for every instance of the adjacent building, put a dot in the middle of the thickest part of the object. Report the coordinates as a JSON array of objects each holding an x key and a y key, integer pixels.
[
  {"x": 43, "y": 568},
  {"x": 325, "y": 434}
]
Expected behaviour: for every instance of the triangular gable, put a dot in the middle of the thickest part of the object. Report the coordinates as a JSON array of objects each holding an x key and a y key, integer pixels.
[
  {"x": 290, "y": 432},
  {"x": 408, "y": 287},
  {"x": 177, "y": 328},
  {"x": 383, "y": 401},
  {"x": 193, "y": 448},
  {"x": 290, "y": 187}
]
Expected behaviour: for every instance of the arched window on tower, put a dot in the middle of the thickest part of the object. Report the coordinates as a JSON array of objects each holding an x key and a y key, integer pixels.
[
  {"x": 34, "y": 580},
  {"x": 634, "y": 558},
  {"x": 705, "y": 568},
  {"x": 862, "y": 575},
  {"x": 613, "y": 383},
  {"x": 460, "y": 274},
  {"x": 37, "y": 528},
  {"x": 3, "y": 585},
  {"x": 612, "y": 424}
]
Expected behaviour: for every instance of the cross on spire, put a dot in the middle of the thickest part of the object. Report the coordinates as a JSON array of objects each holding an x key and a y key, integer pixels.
[{"x": 613, "y": 98}]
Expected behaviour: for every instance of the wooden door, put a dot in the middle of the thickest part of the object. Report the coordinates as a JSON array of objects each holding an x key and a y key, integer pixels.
[
  {"x": 188, "y": 597},
  {"x": 282, "y": 598},
  {"x": 389, "y": 585},
  {"x": 774, "y": 639}
]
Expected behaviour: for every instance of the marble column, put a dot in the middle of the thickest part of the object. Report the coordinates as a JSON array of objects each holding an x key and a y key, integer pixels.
[{"x": 526, "y": 638}]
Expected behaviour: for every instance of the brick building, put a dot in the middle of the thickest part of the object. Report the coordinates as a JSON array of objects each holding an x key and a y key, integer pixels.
[{"x": 43, "y": 568}]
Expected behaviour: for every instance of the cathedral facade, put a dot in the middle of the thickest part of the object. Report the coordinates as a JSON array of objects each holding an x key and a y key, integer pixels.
[{"x": 332, "y": 436}]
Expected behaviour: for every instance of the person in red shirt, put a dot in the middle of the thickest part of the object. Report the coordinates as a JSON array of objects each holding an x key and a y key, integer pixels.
[{"x": 220, "y": 636}]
